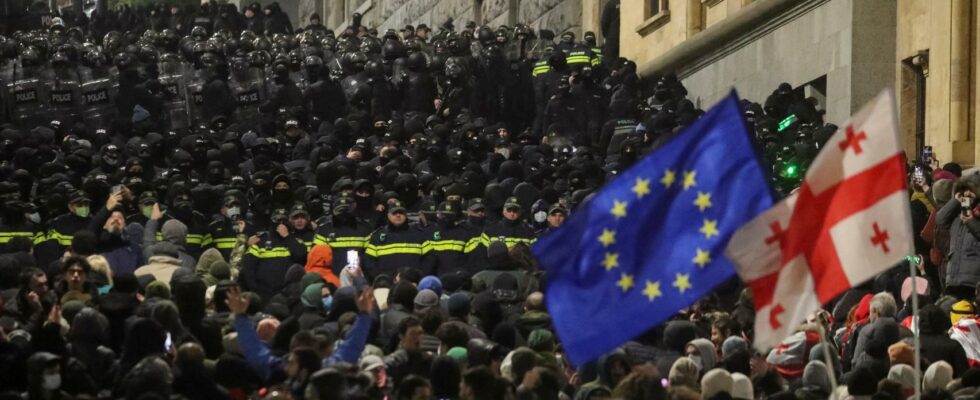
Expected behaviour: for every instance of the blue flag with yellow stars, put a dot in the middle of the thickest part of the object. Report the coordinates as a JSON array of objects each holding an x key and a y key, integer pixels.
[{"x": 652, "y": 241}]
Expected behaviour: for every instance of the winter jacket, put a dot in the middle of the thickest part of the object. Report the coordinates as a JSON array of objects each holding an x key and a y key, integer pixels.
[
  {"x": 277, "y": 21},
  {"x": 963, "y": 268},
  {"x": 342, "y": 238},
  {"x": 511, "y": 232},
  {"x": 392, "y": 247},
  {"x": 935, "y": 343},
  {"x": 58, "y": 237},
  {"x": 161, "y": 267},
  {"x": 319, "y": 261},
  {"x": 265, "y": 264},
  {"x": 449, "y": 248},
  {"x": 266, "y": 364},
  {"x": 154, "y": 245}
]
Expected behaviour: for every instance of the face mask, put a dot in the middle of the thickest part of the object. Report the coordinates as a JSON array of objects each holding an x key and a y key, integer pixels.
[
  {"x": 327, "y": 302},
  {"x": 34, "y": 217},
  {"x": 234, "y": 212},
  {"x": 51, "y": 381},
  {"x": 147, "y": 211},
  {"x": 82, "y": 211},
  {"x": 540, "y": 216},
  {"x": 697, "y": 361}
]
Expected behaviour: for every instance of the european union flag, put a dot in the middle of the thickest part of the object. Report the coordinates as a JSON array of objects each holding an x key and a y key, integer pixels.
[{"x": 652, "y": 241}]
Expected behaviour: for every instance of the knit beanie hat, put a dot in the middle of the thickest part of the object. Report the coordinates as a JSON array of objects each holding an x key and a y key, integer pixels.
[
  {"x": 158, "y": 289},
  {"x": 541, "y": 340},
  {"x": 742, "y": 387},
  {"x": 716, "y": 381},
  {"x": 459, "y": 355},
  {"x": 937, "y": 376},
  {"x": 861, "y": 382},
  {"x": 220, "y": 270},
  {"x": 731, "y": 344},
  {"x": 174, "y": 232},
  {"x": 426, "y": 299},
  {"x": 308, "y": 279},
  {"x": 432, "y": 283},
  {"x": 683, "y": 373},
  {"x": 901, "y": 353},
  {"x": 903, "y": 374},
  {"x": 458, "y": 305},
  {"x": 816, "y": 374}
]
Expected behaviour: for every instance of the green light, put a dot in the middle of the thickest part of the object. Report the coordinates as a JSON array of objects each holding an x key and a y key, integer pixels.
[
  {"x": 790, "y": 171},
  {"x": 786, "y": 122}
]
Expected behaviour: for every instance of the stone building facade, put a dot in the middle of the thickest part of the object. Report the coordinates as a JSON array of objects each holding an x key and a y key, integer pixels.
[{"x": 557, "y": 15}]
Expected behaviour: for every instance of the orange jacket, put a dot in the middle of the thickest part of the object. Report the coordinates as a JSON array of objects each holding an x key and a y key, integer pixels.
[{"x": 319, "y": 261}]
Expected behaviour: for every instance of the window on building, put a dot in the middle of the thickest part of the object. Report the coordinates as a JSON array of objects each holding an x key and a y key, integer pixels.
[
  {"x": 912, "y": 101},
  {"x": 655, "y": 7}
]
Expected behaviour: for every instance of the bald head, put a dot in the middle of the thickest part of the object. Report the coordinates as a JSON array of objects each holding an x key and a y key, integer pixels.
[{"x": 534, "y": 302}]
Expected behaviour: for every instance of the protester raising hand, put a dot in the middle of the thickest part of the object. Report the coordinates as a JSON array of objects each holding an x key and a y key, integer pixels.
[{"x": 237, "y": 304}]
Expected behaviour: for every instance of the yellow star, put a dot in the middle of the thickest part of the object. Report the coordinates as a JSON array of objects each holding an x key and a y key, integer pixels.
[
  {"x": 668, "y": 178},
  {"x": 625, "y": 282},
  {"x": 689, "y": 179},
  {"x": 607, "y": 238},
  {"x": 611, "y": 261},
  {"x": 653, "y": 290},
  {"x": 619, "y": 209},
  {"x": 709, "y": 229},
  {"x": 703, "y": 258},
  {"x": 703, "y": 201},
  {"x": 641, "y": 188},
  {"x": 682, "y": 282}
]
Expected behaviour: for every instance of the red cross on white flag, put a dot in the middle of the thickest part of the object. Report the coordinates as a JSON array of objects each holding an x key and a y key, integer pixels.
[{"x": 849, "y": 221}]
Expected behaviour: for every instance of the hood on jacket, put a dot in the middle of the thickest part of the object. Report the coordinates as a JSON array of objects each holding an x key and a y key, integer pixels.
[
  {"x": 606, "y": 363},
  {"x": 312, "y": 296},
  {"x": 716, "y": 381},
  {"x": 175, "y": 232},
  {"x": 164, "y": 259},
  {"x": 816, "y": 374},
  {"x": 707, "y": 352},
  {"x": 320, "y": 261},
  {"x": 684, "y": 373},
  {"x": 207, "y": 260},
  {"x": 677, "y": 334},
  {"x": 937, "y": 376}
]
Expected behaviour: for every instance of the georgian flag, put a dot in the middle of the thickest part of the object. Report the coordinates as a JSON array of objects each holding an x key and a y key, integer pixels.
[{"x": 849, "y": 221}]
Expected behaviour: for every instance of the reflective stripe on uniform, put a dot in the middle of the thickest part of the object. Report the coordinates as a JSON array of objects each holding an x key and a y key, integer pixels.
[
  {"x": 509, "y": 241},
  {"x": 343, "y": 241},
  {"x": 62, "y": 239},
  {"x": 394, "y": 248},
  {"x": 541, "y": 67},
  {"x": 5, "y": 237},
  {"x": 193, "y": 238},
  {"x": 275, "y": 252},
  {"x": 225, "y": 243},
  {"x": 444, "y": 245}
]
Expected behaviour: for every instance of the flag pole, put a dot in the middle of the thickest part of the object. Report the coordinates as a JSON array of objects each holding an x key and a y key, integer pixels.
[
  {"x": 827, "y": 359},
  {"x": 915, "y": 327}
]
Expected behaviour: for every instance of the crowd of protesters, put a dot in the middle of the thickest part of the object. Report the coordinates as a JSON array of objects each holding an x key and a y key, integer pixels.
[{"x": 210, "y": 204}]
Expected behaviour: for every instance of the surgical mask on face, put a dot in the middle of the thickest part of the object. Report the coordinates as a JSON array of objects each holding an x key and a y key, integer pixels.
[
  {"x": 540, "y": 216},
  {"x": 327, "y": 302},
  {"x": 51, "y": 381},
  {"x": 147, "y": 211},
  {"x": 234, "y": 212},
  {"x": 34, "y": 217},
  {"x": 82, "y": 211}
]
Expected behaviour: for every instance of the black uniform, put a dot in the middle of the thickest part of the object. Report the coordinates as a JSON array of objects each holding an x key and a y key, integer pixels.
[
  {"x": 392, "y": 247},
  {"x": 265, "y": 264}
]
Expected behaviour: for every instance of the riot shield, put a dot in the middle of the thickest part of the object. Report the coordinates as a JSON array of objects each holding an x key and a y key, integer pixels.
[
  {"x": 63, "y": 85},
  {"x": 98, "y": 90},
  {"x": 248, "y": 86},
  {"x": 195, "y": 95},
  {"x": 174, "y": 82},
  {"x": 26, "y": 97}
]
